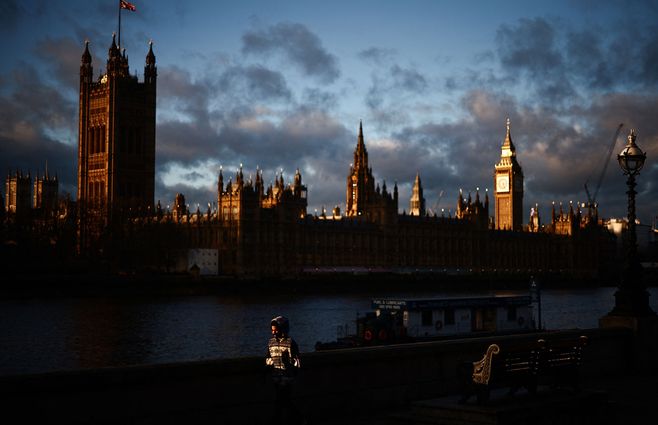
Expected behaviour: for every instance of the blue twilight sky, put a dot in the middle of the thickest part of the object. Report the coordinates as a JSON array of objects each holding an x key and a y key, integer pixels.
[{"x": 283, "y": 84}]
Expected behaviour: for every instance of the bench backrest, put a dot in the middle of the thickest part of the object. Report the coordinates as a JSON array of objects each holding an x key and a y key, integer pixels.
[
  {"x": 562, "y": 353},
  {"x": 528, "y": 358}
]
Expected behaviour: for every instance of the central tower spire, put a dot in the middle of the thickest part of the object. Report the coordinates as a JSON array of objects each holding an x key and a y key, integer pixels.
[
  {"x": 360, "y": 182},
  {"x": 360, "y": 153}
]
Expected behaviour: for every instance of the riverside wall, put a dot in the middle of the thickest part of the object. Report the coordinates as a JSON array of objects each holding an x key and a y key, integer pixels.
[{"x": 337, "y": 383}]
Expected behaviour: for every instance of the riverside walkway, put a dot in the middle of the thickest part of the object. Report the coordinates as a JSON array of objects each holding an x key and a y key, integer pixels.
[{"x": 630, "y": 399}]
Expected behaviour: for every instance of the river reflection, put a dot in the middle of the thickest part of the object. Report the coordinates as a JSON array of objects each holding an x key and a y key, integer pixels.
[{"x": 59, "y": 334}]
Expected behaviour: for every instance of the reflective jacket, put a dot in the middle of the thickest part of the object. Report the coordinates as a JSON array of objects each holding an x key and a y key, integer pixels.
[{"x": 282, "y": 356}]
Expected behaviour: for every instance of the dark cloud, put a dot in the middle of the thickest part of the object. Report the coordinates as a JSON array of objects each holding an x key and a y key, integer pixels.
[
  {"x": 302, "y": 133},
  {"x": 408, "y": 79},
  {"x": 63, "y": 56},
  {"x": 36, "y": 125},
  {"x": 555, "y": 59},
  {"x": 39, "y": 104},
  {"x": 529, "y": 46},
  {"x": 649, "y": 53},
  {"x": 377, "y": 55},
  {"x": 586, "y": 57},
  {"x": 10, "y": 13},
  {"x": 393, "y": 94},
  {"x": 194, "y": 175},
  {"x": 185, "y": 141},
  {"x": 320, "y": 99},
  {"x": 194, "y": 109},
  {"x": 298, "y": 44},
  {"x": 530, "y": 50},
  {"x": 259, "y": 82}
]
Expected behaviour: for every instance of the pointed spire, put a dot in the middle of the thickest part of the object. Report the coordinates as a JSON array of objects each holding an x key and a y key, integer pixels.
[
  {"x": 508, "y": 148},
  {"x": 150, "y": 57},
  {"x": 86, "y": 56},
  {"x": 150, "y": 71},
  {"x": 360, "y": 141},
  {"x": 114, "y": 50},
  {"x": 360, "y": 153}
]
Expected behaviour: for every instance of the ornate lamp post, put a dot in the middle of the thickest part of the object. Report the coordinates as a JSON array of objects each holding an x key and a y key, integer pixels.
[{"x": 632, "y": 298}]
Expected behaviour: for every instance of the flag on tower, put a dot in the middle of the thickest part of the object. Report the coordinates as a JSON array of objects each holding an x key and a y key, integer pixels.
[{"x": 126, "y": 5}]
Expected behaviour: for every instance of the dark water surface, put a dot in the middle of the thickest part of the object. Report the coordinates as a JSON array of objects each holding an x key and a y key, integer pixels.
[{"x": 41, "y": 335}]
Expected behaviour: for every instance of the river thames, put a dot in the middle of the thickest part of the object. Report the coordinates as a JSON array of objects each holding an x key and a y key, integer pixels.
[{"x": 50, "y": 334}]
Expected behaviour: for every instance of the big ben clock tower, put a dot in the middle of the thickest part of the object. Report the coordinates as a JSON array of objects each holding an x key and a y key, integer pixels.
[{"x": 508, "y": 183}]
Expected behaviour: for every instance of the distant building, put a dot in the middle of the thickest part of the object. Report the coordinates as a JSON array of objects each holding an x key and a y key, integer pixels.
[
  {"x": 18, "y": 195},
  {"x": 46, "y": 195}
]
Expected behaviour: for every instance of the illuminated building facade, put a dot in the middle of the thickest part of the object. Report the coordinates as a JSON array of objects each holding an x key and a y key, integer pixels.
[{"x": 116, "y": 140}]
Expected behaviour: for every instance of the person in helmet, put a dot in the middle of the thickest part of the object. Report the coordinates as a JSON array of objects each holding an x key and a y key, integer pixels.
[{"x": 283, "y": 360}]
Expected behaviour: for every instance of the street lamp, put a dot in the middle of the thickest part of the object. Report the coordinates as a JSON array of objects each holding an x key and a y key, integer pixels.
[{"x": 632, "y": 298}]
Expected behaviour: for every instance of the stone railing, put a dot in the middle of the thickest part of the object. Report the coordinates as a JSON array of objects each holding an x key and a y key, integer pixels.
[{"x": 331, "y": 384}]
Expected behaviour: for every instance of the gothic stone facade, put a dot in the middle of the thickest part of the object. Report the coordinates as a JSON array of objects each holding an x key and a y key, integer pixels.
[
  {"x": 116, "y": 142},
  {"x": 261, "y": 232}
]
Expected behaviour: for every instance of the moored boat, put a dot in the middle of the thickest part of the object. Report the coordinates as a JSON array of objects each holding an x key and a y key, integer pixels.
[{"x": 394, "y": 321}]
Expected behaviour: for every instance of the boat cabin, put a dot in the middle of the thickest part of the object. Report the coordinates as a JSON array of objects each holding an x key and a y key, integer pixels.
[{"x": 429, "y": 318}]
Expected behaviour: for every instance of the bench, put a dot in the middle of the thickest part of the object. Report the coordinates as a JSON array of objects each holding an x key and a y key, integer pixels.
[{"x": 527, "y": 365}]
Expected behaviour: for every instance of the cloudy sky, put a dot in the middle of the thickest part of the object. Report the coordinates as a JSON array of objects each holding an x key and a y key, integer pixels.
[{"x": 283, "y": 84}]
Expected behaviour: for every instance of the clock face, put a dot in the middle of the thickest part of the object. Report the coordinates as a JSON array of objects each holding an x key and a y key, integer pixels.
[{"x": 502, "y": 183}]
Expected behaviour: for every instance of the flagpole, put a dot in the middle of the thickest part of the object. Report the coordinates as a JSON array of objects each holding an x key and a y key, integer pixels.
[{"x": 119, "y": 26}]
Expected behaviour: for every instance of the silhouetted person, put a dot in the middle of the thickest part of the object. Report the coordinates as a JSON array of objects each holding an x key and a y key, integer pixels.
[{"x": 283, "y": 360}]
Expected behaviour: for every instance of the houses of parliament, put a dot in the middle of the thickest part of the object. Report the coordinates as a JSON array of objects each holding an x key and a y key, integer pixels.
[{"x": 265, "y": 231}]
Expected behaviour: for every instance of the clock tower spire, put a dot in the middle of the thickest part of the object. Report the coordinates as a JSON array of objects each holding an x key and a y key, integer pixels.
[{"x": 508, "y": 184}]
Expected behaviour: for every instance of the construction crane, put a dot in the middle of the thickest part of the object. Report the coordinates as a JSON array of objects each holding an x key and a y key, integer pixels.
[
  {"x": 591, "y": 200},
  {"x": 435, "y": 207}
]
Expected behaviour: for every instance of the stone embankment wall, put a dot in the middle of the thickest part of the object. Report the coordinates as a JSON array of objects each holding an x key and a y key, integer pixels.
[{"x": 336, "y": 383}]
